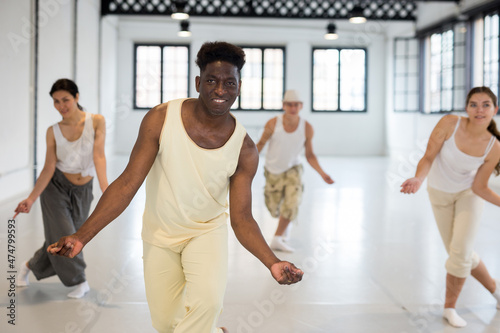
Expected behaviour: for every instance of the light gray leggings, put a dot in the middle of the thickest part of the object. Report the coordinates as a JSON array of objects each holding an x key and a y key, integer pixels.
[{"x": 65, "y": 207}]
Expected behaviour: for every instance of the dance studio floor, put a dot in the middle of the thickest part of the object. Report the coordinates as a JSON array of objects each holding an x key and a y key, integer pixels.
[{"x": 373, "y": 262}]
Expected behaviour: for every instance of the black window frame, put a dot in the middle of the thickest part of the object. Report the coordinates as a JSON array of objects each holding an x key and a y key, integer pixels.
[
  {"x": 339, "y": 110},
  {"x": 161, "y": 45},
  {"x": 237, "y": 103},
  {"x": 407, "y": 57},
  {"x": 491, "y": 13}
]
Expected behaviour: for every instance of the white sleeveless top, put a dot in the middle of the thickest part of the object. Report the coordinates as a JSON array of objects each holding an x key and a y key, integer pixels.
[
  {"x": 285, "y": 148},
  {"x": 187, "y": 186},
  {"x": 453, "y": 170},
  {"x": 76, "y": 156}
]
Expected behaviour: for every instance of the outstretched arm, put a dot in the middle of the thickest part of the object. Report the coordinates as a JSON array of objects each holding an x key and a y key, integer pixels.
[
  {"x": 311, "y": 157},
  {"x": 99, "y": 156},
  {"x": 440, "y": 133},
  {"x": 266, "y": 135},
  {"x": 480, "y": 184},
  {"x": 244, "y": 225},
  {"x": 119, "y": 194},
  {"x": 45, "y": 175}
]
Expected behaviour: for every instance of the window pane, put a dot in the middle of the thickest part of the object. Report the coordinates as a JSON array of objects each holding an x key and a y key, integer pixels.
[
  {"x": 460, "y": 77},
  {"x": 325, "y": 79},
  {"x": 412, "y": 67},
  {"x": 175, "y": 72},
  {"x": 352, "y": 80},
  {"x": 400, "y": 102},
  {"x": 339, "y": 80},
  {"x": 406, "y": 82},
  {"x": 491, "y": 52},
  {"x": 401, "y": 66},
  {"x": 460, "y": 54},
  {"x": 251, "y": 76},
  {"x": 459, "y": 99},
  {"x": 412, "y": 47},
  {"x": 413, "y": 84},
  {"x": 400, "y": 84},
  {"x": 273, "y": 78},
  {"x": 446, "y": 103},
  {"x": 440, "y": 93},
  {"x": 412, "y": 102},
  {"x": 262, "y": 79},
  {"x": 148, "y": 77},
  {"x": 401, "y": 49}
]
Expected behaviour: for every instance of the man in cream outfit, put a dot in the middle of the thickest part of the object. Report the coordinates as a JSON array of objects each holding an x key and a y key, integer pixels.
[{"x": 194, "y": 152}]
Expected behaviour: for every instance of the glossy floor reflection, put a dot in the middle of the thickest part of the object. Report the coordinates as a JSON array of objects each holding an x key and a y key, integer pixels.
[{"x": 373, "y": 259}]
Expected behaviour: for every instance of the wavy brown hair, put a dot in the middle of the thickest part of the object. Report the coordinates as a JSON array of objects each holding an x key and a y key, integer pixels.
[{"x": 492, "y": 127}]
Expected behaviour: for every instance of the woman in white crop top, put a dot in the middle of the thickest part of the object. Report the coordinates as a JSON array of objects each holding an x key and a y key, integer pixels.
[
  {"x": 461, "y": 155},
  {"x": 74, "y": 146}
]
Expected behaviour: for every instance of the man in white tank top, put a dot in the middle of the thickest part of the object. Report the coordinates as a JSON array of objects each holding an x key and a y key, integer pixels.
[{"x": 288, "y": 135}]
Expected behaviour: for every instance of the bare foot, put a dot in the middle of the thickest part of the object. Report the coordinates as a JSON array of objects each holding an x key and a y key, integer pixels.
[{"x": 224, "y": 330}]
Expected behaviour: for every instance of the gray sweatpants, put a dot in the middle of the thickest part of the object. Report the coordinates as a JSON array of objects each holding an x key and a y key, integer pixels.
[{"x": 65, "y": 207}]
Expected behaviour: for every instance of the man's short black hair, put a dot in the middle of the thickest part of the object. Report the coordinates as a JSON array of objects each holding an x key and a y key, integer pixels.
[{"x": 220, "y": 51}]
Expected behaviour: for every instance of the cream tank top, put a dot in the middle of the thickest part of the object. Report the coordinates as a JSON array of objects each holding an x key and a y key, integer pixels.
[
  {"x": 453, "y": 170},
  {"x": 187, "y": 187},
  {"x": 285, "y": 148},
  {"x": 76, "y": 156}
]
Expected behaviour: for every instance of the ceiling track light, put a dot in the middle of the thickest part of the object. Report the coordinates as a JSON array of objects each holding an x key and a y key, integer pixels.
[
  {"x": 184, "y": 32},
  {"x": 357, "y": 15},
  {"x": 178, "y": 10},
  {"x": 331, "y": 32}
]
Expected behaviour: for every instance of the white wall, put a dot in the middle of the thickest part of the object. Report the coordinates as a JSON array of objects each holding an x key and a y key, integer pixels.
[
  {"x": 15, "y": 94},
  {"x": 56, "y": 33},
  {"x": 56, "y": 59},
  {"x": 335, "y": 133},
  {"x": 110, "y": 105},
  {"x": 87, "y": 56}
]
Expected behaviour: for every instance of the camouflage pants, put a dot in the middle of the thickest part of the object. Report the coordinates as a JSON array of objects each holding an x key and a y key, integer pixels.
[{"x": 283, "y": 192}]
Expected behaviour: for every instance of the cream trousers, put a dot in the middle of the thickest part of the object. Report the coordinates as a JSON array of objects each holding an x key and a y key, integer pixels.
[
  {"x": 185, "y": 289},
  {"x": 457, "y": 216}
]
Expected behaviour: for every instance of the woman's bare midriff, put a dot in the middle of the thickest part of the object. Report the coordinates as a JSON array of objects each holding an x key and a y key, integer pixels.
[{"x": 77, "y": 178}]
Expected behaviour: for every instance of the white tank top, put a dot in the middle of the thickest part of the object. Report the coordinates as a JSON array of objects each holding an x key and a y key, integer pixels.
[
  {"x": 76, "y": 156},
  {"x": 453, "y": 170},
  {"x": 285, "y": 148}
]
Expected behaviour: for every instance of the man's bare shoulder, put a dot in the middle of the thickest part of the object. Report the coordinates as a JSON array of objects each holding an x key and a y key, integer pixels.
[
  {"x": 152, "y": 123},
  {"x": 156, "y": 115},
  {"x": 248, "y": 143},
  {"x": 249, "y": 156}
]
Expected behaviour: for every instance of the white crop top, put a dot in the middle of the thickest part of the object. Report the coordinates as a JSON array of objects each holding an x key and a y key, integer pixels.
[
  {"x": 453, "y": 170},
  {"x": 76, "y": 156},
  {"x": 285, "y": 148}
]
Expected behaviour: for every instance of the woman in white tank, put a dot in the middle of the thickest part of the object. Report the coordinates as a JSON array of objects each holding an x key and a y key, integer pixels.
[
  {"x": 461, "y": 155},
  {"x": 75, "y": 153}
]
